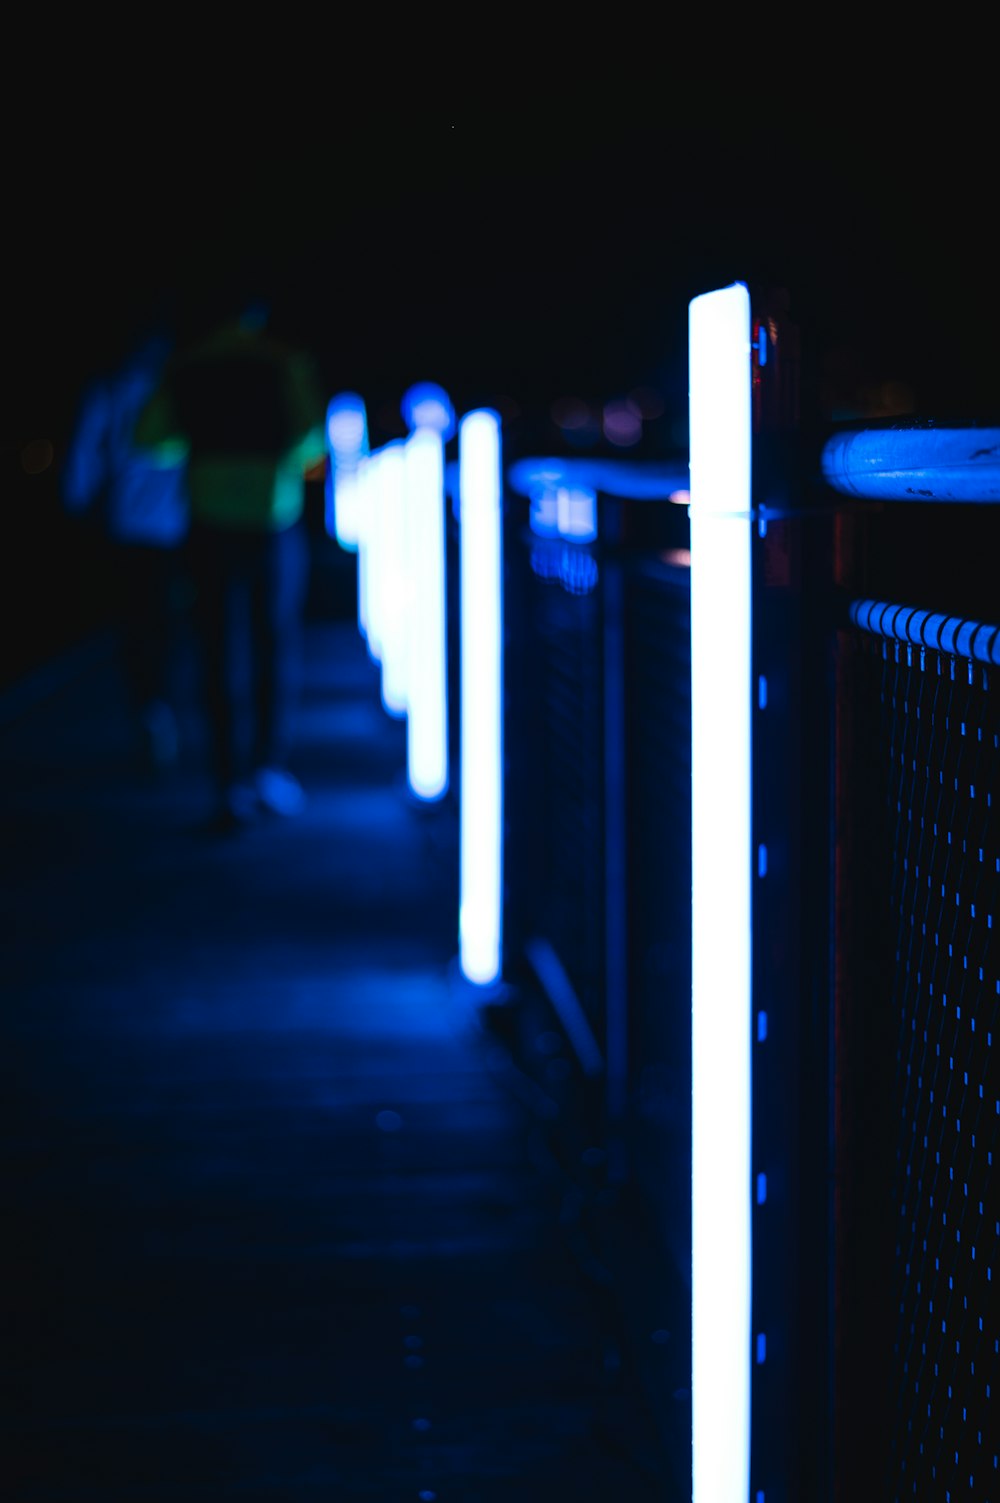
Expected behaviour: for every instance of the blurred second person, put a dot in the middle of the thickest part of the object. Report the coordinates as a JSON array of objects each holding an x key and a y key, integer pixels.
[{"x": 245, "y": 412}]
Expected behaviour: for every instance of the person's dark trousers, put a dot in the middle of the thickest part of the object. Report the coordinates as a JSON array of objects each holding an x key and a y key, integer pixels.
[{"x": 249, "y": 597}]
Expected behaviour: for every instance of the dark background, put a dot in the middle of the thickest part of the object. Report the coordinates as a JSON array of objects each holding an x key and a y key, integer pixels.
[{"x": 511, "y": 264}]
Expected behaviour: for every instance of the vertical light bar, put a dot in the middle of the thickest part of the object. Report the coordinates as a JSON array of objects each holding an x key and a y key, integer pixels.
[
  {"x": 720, "y": 439},
  {"x": 393, "y": 585},
  {"x": 481, "y": 810},
  {"x": 371, "y": 557},
  {"x": 365, "y": 468},
  {"x": 347, "y": 443},
  {"x": 427, "y": 683}
]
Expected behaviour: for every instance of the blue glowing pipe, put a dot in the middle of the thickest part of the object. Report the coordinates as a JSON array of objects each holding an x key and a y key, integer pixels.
[
  {"x": 915, "y": 463},
  {"x": 954, "y": 635}
]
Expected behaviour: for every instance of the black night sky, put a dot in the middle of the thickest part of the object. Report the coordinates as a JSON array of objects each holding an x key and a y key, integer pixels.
[
  {"x": 511, "y": 264},
  {"x": 508, "y": 262}
]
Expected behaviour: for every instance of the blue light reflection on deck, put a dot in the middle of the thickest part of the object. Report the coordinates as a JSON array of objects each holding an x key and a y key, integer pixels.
[
  {"x": 481, "y": 575},
  {"x": 721, "y": 692}
]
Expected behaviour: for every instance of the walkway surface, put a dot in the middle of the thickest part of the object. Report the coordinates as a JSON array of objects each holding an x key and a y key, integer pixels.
[{"x": 277, "y": 1224}]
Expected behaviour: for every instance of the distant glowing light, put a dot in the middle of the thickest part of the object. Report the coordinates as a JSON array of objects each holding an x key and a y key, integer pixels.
[
  {"x": 393, "y": 588},
  {"x": 481, "y": 576},
  {"x": 346, "y": 427},
  {"x": 427, "y": 685},
  {"x": 369, "y": 552},
  {"x": 570, "y": 412},
  {"x": 721, "y": 689},
  {"x": 427, "y": 405},
  {"x": 558, "y": 510},
  {"x": 576, "y": 513},
  {"x": 648, "y": 402},
  {"x": 622, "y": 423},
  {"x": 343, "y": 502},
  {"x": 347, "y": 445}
]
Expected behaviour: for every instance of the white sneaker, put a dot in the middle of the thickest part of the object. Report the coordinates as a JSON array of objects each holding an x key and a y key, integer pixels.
[{"x": 278, "y": 792}]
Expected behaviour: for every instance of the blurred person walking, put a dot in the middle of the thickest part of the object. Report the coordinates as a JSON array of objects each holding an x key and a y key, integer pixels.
[
  {"x": 140, "y": 509},
  {"x": 248, "y": 412}
]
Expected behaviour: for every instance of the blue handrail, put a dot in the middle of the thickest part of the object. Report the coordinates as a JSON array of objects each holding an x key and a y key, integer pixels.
[
  {"x": 955, "y": 635},
  {"x": 917, "y": 463}
]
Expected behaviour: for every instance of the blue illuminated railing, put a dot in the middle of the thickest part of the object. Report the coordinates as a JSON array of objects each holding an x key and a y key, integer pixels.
[
  {"x": 915, "y": 463},
  {"x": 916, "y": 980},
  {"x": 949, "y": 634},
  {"x": 628, "y": 479},
  {"x": 757, "y": 851}
]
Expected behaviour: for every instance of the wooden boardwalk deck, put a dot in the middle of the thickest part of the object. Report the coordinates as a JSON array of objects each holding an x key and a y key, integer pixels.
[{"x": 276, "y": 1226}]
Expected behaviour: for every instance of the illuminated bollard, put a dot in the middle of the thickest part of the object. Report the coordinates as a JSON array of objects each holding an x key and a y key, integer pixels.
[
  {"x": 430, "y": 417},
  {"x": 391, "y": 565},
  {"x": 362, "y": 481},
  {"x": 369, "y": 547},
  {"x": 427, "y": 637},
  {"x": 721, "y": 618},
  {"x": 481, "y": 738},
  {"x": 347, "y": 445}
]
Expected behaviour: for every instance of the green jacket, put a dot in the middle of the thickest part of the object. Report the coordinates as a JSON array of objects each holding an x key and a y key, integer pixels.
[{"x": 246, "y": 414}]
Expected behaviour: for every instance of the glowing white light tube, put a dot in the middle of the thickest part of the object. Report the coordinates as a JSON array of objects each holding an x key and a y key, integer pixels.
[
  {"x": 392, "y": 567},
  {"x": 344, "y": 486},
  {"x": 427, "y": 638},
  {"x": 368, "y": 547},
  {"x": 481, "y": 809},
  {"x": 347, "y": 443},
  {"x": 720, "y": 438}
]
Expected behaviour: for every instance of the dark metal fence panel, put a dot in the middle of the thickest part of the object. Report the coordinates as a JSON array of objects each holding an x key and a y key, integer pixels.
[
  {"x": 598, "y": 880},
  {"x": 658, "y": 740},
  {"x": 933, "y": 744},
  {"x": 568, "y": 641},
  {"x": 914, "y": 570},
  {"x": 555, "y": 773}
]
